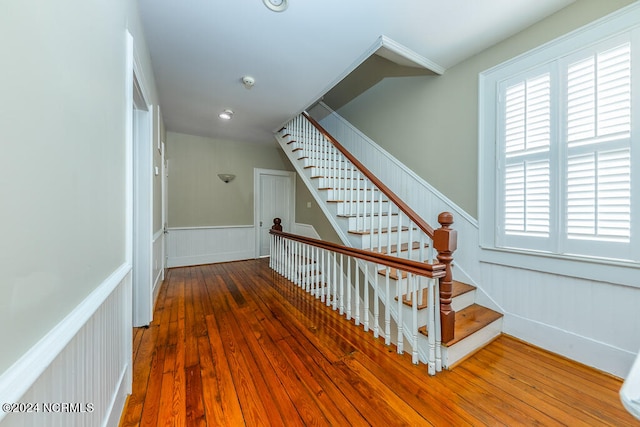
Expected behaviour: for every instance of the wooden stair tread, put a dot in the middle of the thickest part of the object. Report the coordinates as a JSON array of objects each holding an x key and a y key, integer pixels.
[{"x": 468, "y": 321}]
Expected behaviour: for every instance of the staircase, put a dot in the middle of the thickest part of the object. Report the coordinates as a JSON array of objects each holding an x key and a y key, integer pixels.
[{"x": 367, "y": 215}]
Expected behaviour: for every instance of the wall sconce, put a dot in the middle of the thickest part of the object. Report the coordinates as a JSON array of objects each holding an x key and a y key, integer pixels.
[{"x": 226, "y": 177}]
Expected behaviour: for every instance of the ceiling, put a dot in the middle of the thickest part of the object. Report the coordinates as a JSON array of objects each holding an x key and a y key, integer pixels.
[{"x": 200, "y": 50}]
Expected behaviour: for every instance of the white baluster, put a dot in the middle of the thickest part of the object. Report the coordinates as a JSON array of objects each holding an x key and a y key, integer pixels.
[
  {"x": 379, "y": 222},
  {"x": 366, "y": 298},
  {"x": 410, "y": 240},
  {"x": 271, "y": 254},
  {"x": 387, "y": 312},
  {"x": 323, "y": 254},
  {"x": 316, "y": 271},
  {"x": 414, "y": 315},
  {"x": 389, "y": 228},
  {"x": 400, "y": 325},
  {"x": 357, "y": 291},
  {"x": 376, "y": 307},
  {"x": 358, "y": 226},
  {"x": 349, "y": 259},
  {"x": 334, "y": 293},
  {"x": 351, "y": 197},
  {"x": 364, "y": 204},
  {"x": 399, "y": 239},
  {"x": 306, "y": 267},
  {"x": 341, "y": 284}
]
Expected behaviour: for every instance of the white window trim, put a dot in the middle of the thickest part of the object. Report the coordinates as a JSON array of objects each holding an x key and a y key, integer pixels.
[{"x": 623, "y": 20}]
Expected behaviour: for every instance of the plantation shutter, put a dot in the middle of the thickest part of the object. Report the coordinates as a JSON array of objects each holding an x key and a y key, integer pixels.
[
  {"x": 598, "y": 129},
  {"x": 527, "y": 139}
]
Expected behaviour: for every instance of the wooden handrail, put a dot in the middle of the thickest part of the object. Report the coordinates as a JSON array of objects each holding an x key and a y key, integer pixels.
[
  {"x": 434, "y": 271},
  {"x": 413, "y": 216}
]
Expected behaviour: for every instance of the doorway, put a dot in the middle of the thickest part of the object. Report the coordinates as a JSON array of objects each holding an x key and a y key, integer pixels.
[
  {"x": 274, "y": 197},
  {"x": 140, "y": 190}
]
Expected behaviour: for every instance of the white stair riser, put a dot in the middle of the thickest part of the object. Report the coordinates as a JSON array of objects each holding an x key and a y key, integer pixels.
[
  {"x": 463, "y": 301},
  {"x": 353, "y": 195},
  {"x": 364, "y": 223},
  {"x": 354, "y": 208},
  {"x": 331, "y": 175},
  {"x": 346, "y": 182},
  {"x": 369, "y": 241},
  {"x": 457, "y": 352}
]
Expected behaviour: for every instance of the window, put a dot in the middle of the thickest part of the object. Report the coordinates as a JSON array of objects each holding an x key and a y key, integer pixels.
[{"x": 559, "y": 147}]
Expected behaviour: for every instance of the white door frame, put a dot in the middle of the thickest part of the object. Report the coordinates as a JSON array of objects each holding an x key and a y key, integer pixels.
[
  {"x": 257, "y": 197},
  {"x": 139, "y": 133},
  {"x": 165, "y": 207}
]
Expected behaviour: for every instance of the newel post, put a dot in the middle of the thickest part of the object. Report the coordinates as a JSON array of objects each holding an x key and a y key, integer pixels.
[
  {"x": 445, "y": 241},
  {"x": 277, "y": 224}
]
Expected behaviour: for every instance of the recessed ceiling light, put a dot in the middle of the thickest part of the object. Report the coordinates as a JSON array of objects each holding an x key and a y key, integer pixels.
[
  {"x": 276, "y": 5},
  {"x": 226, "y": 114}
]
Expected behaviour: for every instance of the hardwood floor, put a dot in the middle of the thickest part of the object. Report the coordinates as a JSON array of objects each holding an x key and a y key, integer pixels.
[{"x": 235, "y": 344}]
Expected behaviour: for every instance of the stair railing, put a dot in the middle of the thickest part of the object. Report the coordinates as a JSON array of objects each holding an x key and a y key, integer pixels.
[
  {"x": 335, "y": 274},
  {"x": 389, "y": 225}
]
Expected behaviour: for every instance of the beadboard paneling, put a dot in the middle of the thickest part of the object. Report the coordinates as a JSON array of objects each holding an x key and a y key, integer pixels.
[
  {"x": 593, "y": 322},
  {"x": 85, "y": 360},
  {"x": 206, "y": 245}
]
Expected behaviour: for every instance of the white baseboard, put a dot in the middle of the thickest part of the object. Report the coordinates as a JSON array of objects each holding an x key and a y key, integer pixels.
[
  {"x": 592, "y": 353},
  {"x": 209, "y": 258}
]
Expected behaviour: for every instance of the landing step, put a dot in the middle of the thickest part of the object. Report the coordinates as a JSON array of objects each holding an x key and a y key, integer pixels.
[
  {"x": 459, "y": 288},
  {"x": 469, "y": 321}
]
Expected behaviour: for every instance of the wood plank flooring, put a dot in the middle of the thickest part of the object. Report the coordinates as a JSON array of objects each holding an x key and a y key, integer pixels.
[{"x": 236, "y": 344}]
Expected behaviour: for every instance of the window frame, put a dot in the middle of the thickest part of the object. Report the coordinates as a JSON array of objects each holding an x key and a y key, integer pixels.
[{"x": 552, "y": 54}]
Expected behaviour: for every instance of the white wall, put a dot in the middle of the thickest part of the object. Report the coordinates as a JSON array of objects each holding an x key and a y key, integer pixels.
[{"x": 63, "y": 191}]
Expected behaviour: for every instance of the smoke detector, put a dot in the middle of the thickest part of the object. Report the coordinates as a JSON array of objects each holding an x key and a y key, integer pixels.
[
  {"x": 248, "y": 82},
  {"x": 276, "y": 5}
]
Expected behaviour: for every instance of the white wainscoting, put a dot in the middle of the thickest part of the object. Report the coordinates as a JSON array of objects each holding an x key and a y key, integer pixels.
[
  {"x": 306, "y": 230},
  {"x": 583, "y": 318},
  {"x": 85, "y": 359},
  {"x": 593, "y": 322},
  {"x": 207, "y": 245}
]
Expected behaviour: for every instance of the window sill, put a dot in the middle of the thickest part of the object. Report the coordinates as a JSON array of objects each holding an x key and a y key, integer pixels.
[{"x": 624, "y": 273}]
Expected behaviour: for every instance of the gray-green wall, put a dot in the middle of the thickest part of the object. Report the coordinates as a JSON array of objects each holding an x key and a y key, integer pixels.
[
  {"x": 430, "y": 123},
  {"x": 62, "y": 180},
  {"x": 197, "y": 197}
]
